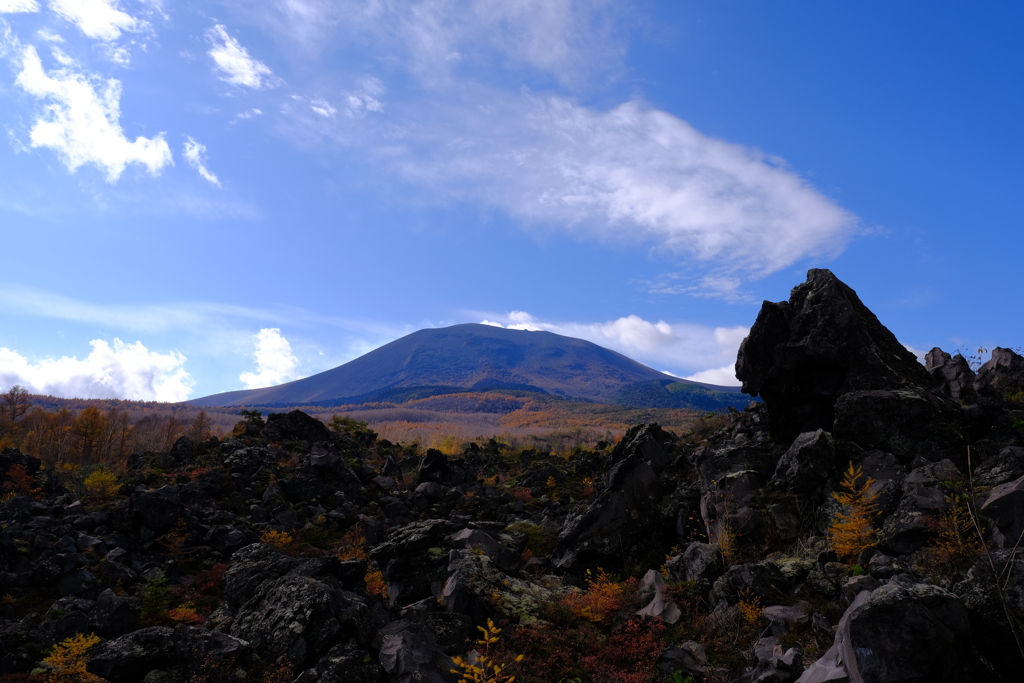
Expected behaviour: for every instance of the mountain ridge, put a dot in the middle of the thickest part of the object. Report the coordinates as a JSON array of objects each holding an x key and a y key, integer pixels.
[{"x": 465, "y": 357}]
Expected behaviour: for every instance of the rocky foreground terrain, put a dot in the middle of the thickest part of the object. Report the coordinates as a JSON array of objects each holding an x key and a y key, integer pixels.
[{"x": 296, "y": 552}]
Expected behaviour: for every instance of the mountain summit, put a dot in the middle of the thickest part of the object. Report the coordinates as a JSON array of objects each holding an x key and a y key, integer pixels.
[{"x": 470, "y": 357}]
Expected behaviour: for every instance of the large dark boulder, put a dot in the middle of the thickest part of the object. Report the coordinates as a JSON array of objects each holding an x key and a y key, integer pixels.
[
  {"x": 624, "y": 519},
  {"x": 295, "y": 426},
  {"x": 184, "y": 649},
  {"x": 1001, "y": 375},
  {"x": 954, "y": 376},
  {"x": 902, "y": 632},
  {"x": 909, "y": 423},
  {"x": 251, "y": 567},
  {"x": 294, "y": 616},
  {"x": 802, "y": 354},
  {"x": 156, "y": 509},
  {"x": 409, "y": 653},
  {"x": 988, "y": 614},
  {"x": 414, "y": 559}
]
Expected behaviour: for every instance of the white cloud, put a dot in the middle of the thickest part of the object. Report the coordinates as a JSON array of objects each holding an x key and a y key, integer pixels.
[
  {"x": 275, "y": 361},
  {"x": 99, "y": 19},
  {"x": 195, "y": 155},
  {"x": 235, "y": 64},
  {"x": 685, "y": 347},
  {"x": 566, "y": 39},
  {"x": 632, "y": 174},
  {"x": 49, "y": 36},
  {"x": 322, "y": 107},
  {"x": 127, "y": 371},
  {"x": 724, "y": 376},
  {"x": 18, "y": 6},
  {"x": 82, "y": 121}
]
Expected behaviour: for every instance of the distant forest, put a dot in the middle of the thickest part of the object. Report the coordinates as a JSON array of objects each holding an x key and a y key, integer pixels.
[{"x": 105, "y": 431}]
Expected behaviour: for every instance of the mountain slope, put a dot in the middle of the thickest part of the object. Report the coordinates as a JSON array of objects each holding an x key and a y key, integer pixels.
[{"x": 468, "y": 356}]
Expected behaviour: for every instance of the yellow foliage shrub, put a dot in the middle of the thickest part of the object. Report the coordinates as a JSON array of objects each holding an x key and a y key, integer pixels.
[
  {"x": 750, "y": 607},
  {"x": 602, "y": 599},
  {"x": 278, "y": 540},
  {"x": 101, "y": 484},
  {"x": 68, "y": 659},
  {"x": 852, "y": 530},
  {"x": 483, "y": 668},
  {"x": 957, "y": 545}
]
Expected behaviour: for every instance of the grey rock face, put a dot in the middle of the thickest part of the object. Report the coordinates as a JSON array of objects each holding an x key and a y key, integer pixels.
[
  {"x": 654, "y": 602},
  {"x": 802, "y": 354}
]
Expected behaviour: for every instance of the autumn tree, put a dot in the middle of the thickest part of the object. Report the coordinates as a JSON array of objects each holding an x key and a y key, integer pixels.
[
  {"x": 852, "y": 530},
  {"x": 89, "y": 429},
  {"x": 199, "y": 430},
  {"x": 13, "y": 404}
]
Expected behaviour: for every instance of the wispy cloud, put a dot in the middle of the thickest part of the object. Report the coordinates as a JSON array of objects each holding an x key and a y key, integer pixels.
[
  {"x": 632, "y": 175},
  {"x": 679, "y": 347},
  {"x": 81, "y": 121},
  {"x": 235, "y": 65},
  {"x": 275, "y": 361},
  {"x": 99, "y": 19},
  {"x": 117, "y": 370},
  {"x": 437, "y": 40},
  {"x": 195, "y": 155},
  {"x": 18, "y": 6},
  {"x": 189, "y": 315}
]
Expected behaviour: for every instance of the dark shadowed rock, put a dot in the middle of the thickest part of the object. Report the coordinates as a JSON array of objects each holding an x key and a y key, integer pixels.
[
  {"x": 954, "y": 376},
  {"x": 1005, "y": 507},
  {"x": 295, "y": 426},
  {"x": 342, "y": 665},
  {"x": 763, "y": 579},
  {"x": 1002, "y": 374},
  {"x": 156, "y": 509},
  {"x": 908, "y": 423},
  {"x": 414, "y": 559},
  {"x": 474, "y": 539},
  {"x": 806, "y": 467},
  {"x": 132, "y": 657},
  {"x": 295, "y": 616},
  {"x": 802, "y": 354},
  {"x": 992, "y": 634},
  {"x": 625, "y": 515},
  {"x": 903, "y": 631},
  {"x": 434, "y": 467},
  {"x": 251, "y": 567},
  {"x": 700, "y": 561},
  {"x": 112, "y": 615},
  {"x": 408, "y": 652}
]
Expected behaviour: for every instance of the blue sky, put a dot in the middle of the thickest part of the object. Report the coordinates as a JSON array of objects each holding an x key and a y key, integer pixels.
[{"x": 199, "y": 197}]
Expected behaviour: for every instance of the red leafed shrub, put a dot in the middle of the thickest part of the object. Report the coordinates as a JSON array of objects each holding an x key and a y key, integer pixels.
[{"x": 629, "y": 654}]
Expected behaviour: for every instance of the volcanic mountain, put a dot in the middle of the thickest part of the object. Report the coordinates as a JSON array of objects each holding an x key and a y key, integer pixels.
[{"x": 473, "y": 357}]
